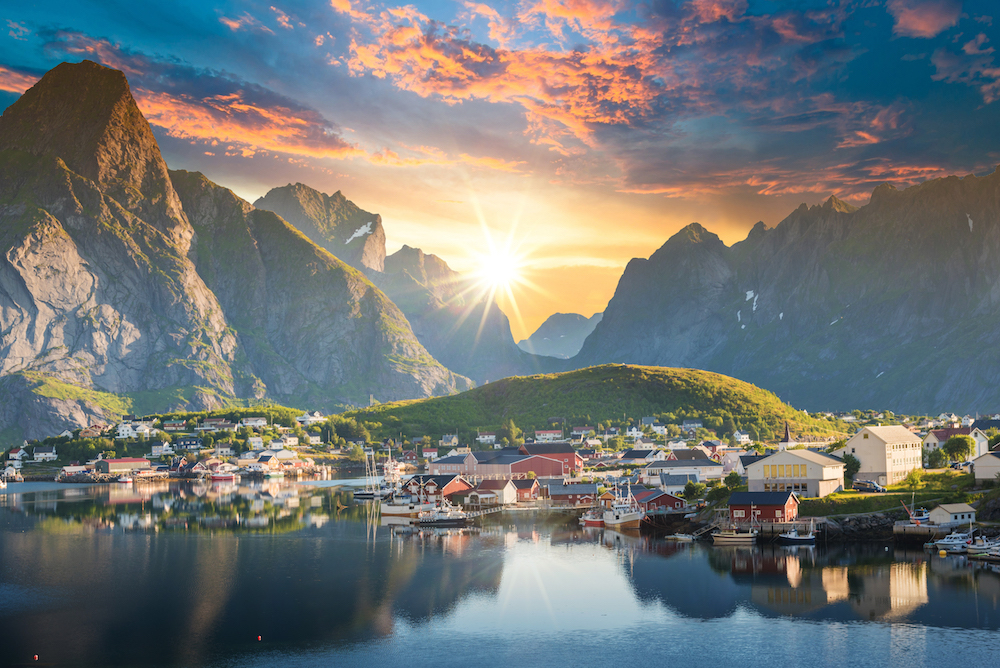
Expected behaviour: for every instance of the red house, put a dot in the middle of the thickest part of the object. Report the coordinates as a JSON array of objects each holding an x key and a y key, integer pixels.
[
  {"x": 653, "y": 499},
  {"x": 763, "y": 507},
  {"x": 436, "y": 487},
  {"x": 573, "y": 495},
  {"x": 527, "y": 489},
  {"x": 561, "y": 452},
  {"x": 409, "y": 457}
]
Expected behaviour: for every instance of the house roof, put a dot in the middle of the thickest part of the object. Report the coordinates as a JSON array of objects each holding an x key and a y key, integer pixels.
[
  {"x": 747, "y": 460},
  {"x": 672, "y": 479},
  {"x": 892, "y": 434},
  {"x": 493, "y": 484},
  {"x": 689, "y": 454},
  {"x": 454, "y": 459},
  {"x": 44, "y": 448},
  {"x": 952, "y": 508},
  {"x": 565, "y": 490},
  {"x": 637, "y": 454},
  {"x": 684, "y": 463},
  {"x": 810, "y": 456},
  {"x": 548, "y": 448},
  {"x": 440, "y": 480},
  {"x": 526, "y": 483},
  {"x": 759, "y": 498},
  {"x": 486, "y": 456},
  {"x": 948, "y": 432},
  {"x": 986, "y": 424}
]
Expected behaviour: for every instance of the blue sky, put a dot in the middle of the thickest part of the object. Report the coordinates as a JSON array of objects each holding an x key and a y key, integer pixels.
[{"x": 585, "y": 131}]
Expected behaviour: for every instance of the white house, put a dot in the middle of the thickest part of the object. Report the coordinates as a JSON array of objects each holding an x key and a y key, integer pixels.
[
  {"x": 45, "y": 453},
  {"x": 938, "y": 437},
  {"x": 309, "y": 419},
  {"x": 255, "y": 443},
  {"x": 487, "y": 437},
  {"x": 804, "y": 472},
  {"x": 887, "y": 454},
  {"x": 161, "y": 448},
  {"x": 253, "y": 422},
  {"x": 953, "y": 513},
  {"x": 135, "y": 430},
  {"x": 741, "y": 437},
  {"x": 986, "y": 466},
  {"x": 548, "y": 435},
  {"x": 633, "y": 432},
  {"x": 705, "y": 469},
  {"x": 285, "y": 441},
  {"x": 314, "y": 439},
  {"x": 730, "y": 461},
  {"x": 17, "y": 455}
]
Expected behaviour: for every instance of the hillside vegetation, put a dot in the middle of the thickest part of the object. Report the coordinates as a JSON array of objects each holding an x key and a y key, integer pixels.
[{"x": 612, "y": 393}]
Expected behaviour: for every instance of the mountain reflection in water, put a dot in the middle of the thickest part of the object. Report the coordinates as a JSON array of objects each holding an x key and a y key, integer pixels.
[{"x": 191, "y": 574}]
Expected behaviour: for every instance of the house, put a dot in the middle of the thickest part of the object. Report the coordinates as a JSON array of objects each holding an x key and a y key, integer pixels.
[
  {"x": 953, "y": 513},
  {"x": 121, "y": 465},
  {"x": 688, "y": 454},
  {"x": 647, "y": 421},
  {"x": 506, "y": 463},
  {"x": 987, "y": 466},
  {"x": 633, "y": 431},
  {"x": 286, "y": 441},
  {"x": 656, "y": 499},
  {"x": 572, "y": 495},
  {"x": 436, "y": 487},
  {"x": 548, "y": 435},
  {"x": 935, "y": 438},
  {"x": 636, "y": 457},
  {"x": 160, "y": 448},
  {"x": 660, "y": 429},
  {"x": 731, "y": 460},
  {"x": 745, "y": 507},
  {"x": 580, "y": 432},
  {"x": 255, "y": 443},
  {"x": 309, "y": 419},
  {"x": 504, "y": 491},
  {"x": 174, "y": 425},
  {"x": 134, "y": 430},
  {"x": 674, "y": 483},
  {"x": 188, "y": 443},
  {"x": 409, "y": 457},
  {"x": 805, "y": 472},
  {"x": 562, "y": 452},
  {"x": 486, "y": 437},
  {"x": 448, "y": 441},
  {"x": 17, "y": 454},
  {"x": 314, "y": 439},
  {"x": 741, "y": 437},
  {"x": 44, "y": 453},
  {"x": 527, "y": 489},
  {"x": 887, "y": 454},
  {"x": 705, "y": 469},
  {"x": 254, "y": 422},
  {"x": 691, "y": 426},
  {"x": 93, "y": 431},
  {"x": 430, "y": 454}
]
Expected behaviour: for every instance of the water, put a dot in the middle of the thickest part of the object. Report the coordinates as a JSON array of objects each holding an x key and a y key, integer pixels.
[{"x": 192, "y": 574}]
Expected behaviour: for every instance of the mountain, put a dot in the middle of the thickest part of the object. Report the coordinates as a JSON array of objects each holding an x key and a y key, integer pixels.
[
  {"x": 561, "y": 335},
  {"x": 449, "y": 315},
  {"x": 891, "y": 305},
  {"x": 110, "y": 284},
  {"x": 597, "y": 394},
  {"x": 332, "y": 222}
]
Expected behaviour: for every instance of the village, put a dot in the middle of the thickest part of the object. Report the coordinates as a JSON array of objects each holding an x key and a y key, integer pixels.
[{"x": 667, "y": 476}]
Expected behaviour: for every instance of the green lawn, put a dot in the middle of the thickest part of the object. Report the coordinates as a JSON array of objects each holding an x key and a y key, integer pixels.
[{"x": 850, "y": 502}]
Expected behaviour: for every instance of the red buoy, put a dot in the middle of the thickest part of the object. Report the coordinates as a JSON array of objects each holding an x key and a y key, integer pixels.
[{"x": 258, "y": 638}]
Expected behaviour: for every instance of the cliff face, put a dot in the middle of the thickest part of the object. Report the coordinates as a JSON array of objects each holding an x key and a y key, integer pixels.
[
  {"x": 104, "y": 284},
  {"x": 332, "y": 221},
  {"x": 456, "y": 325},
  {"x": 891, "y": 305}
]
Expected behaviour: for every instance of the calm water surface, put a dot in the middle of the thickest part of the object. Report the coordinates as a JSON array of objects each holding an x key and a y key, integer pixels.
[{"x": 192, "y": 574}]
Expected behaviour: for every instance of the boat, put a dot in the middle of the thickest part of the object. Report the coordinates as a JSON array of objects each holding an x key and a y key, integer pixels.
[
  {"x": 981, "y": 545},
  {"x": 445, "y": 516},
  {"x": 956, "y": 541},
  {"x": 735, "y": 536},
  {"x": 125, "y": 479},
  {"x": 405, "y": 506},
  {"x": 593, "y": 518},
  {"x": 223, "y": 476},
  {"x": 681, "y": 537},
  {"x": 373, "y": 489},
  {"x": 793, "y": 537},
  {"x": 624, "y": 513},
  {"x": 273, "y": 473},
  {"x": 3, "y": 482}
]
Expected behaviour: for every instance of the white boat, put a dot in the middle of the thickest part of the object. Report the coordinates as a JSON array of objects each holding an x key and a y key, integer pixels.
[
  {"x": 405, "y": 506},
  {"x": 981, "y": 545},
  {"x": 735, "y": 537},
  {"x": 445, "y": 516},
  {"x": 624, "y": 513},
  {"x": 373, "y": 489},
  {"x": 681, "y": 537},
  {"x": 125, "y": 479},
  {"x": 592, "y": 518},
  {"x": 3, "y": 483},
  {"x": 793, "y": 537},
  {"x": 956, "y": 541}
]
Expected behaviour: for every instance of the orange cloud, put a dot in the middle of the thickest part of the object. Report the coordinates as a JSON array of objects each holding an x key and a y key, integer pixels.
[
  {"x": 923, "y": 18},
  {"x": 244, "y": 22},
  {"x": 15, "y": 82}
]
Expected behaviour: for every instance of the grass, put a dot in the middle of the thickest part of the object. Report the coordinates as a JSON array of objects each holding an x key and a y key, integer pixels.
[{"x": 935, "y": 485}]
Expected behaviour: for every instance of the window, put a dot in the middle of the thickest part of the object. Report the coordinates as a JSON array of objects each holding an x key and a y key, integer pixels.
[
  {"x": 774, "y": 470},
  {"x": 767, "y": 471},
  {"x": 795, "y": 470},
  {"x": 739, "y": 513},
  {"x": 778, "y": 513},
  {"x": 781, "y": 470},
  {"x": 865, "y": 436}
]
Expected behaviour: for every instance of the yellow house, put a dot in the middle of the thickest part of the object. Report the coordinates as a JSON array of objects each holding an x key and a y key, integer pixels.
[
  {"x": 805, "y": 472},
  {"x": 887, "y": 454}
]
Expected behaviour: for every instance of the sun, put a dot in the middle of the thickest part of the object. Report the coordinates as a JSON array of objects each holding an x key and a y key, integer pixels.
[{"x": 499, "y": 270}]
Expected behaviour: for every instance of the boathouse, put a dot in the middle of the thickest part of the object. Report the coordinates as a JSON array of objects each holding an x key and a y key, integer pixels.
[
  {"x": 763, "y": 507},
  {"x": 125, "y": 464},
  {"x": 953, "y": 513}
]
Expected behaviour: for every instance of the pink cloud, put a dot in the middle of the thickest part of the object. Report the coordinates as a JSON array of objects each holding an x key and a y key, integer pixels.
[{"x": 923, "y": 18}]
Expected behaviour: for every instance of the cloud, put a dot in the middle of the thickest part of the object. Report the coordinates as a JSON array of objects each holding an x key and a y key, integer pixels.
[
  {"x": 17, "y": 30},
  {"x": 923, "y": 18},
  {"x": 244, "y": 22},
  {"x": 978, "y": 70},
  {"x": 13, "y": 81}
]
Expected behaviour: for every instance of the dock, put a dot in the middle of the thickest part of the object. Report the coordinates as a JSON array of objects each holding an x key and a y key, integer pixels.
[{"x": 906, "y": 532}]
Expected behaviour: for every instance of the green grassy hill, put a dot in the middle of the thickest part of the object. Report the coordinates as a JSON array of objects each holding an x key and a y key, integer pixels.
[{"x": 599, "y": 394}]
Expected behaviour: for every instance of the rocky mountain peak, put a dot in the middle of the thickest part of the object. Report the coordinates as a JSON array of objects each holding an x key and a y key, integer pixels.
[
  {"x": 84, "y": 114},
  {"x": 835, "y": 204}
]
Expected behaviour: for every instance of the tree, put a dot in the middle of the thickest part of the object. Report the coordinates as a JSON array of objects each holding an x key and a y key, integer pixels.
[
  {"x": 994, "y": 435},
  {"x": 356, "y": 454},
  {"x": 914, "y": 478},
  {"x": 936, "y": 459},
  {"x": 718, "y": 493},
  {"x": 734, "y": 479},
  {"x": 693, "y": 490},
  {"x": 207, "y": 441},
  {"x": 851, "y": 467},
  {"x": 959, "y": 447},
  {"x": 511, "y": 432}
]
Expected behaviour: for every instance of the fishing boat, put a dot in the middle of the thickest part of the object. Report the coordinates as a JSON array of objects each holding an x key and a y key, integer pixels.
[
  {"x": 373, "y": 489},
  {"x": 735, "y": 536},
  {"x": 405, "y": 506},
  {"x": 223, "y": 476},
  {"x": 125, "y": 479},
  {"x": 981, "y": 545},
  {"x": 793, "y": 537},
  {"x": 624, "y": 513},
  {"x": 3, "y": 482},
  {"x": 274, "y": 473},
  {"x": 956, "y": 541},
  {"x": 445, "y": 516},
  {"x": 593, "y": 518}
]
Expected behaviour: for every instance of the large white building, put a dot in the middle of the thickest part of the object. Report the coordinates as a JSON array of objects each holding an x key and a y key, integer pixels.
[
  {"x": 887, "y": 454},
  {"x": 805, "y": 472}
]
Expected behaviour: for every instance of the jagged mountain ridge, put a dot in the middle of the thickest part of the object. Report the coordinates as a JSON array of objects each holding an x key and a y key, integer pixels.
[
  {"x": 449, "y": 316},
  {"x": 105, "y": 282},
  {"x": 561, "y": 335},
  {"x": 890, "y": 305}
]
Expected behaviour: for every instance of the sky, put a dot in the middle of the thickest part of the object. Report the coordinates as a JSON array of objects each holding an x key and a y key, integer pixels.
[{"x": 573, "y": 135}]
